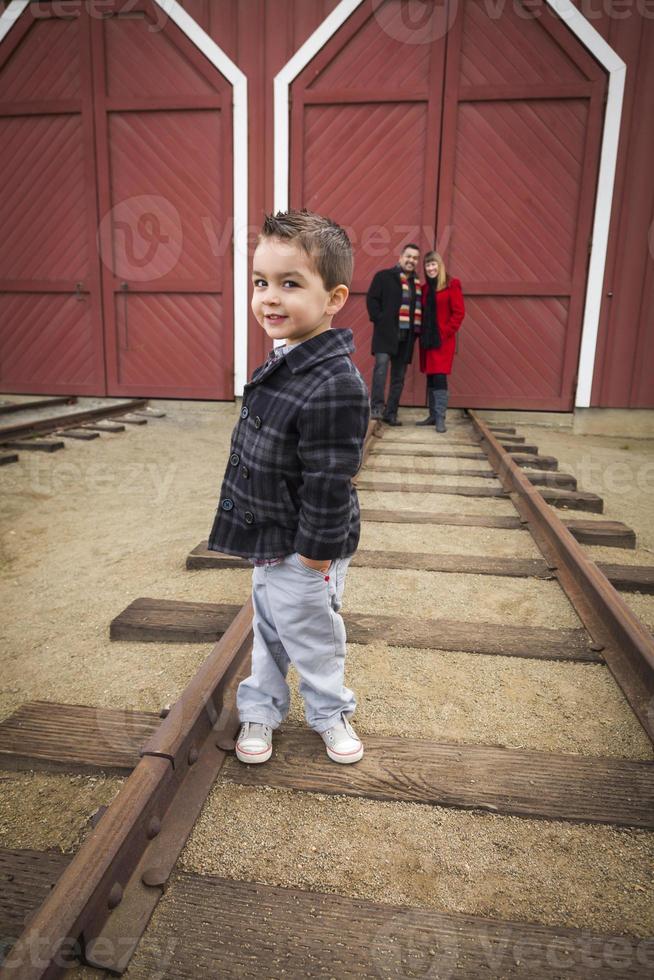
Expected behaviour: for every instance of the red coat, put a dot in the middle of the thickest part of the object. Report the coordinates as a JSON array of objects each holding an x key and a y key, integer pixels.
[{"x": 450, "y": 311}]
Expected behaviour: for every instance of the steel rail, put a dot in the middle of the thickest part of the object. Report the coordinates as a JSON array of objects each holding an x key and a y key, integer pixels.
[
  {"x": 110, "y": 876},
  {"x": 626, "y": 645},
  {"x": 92, "y": 885},
  {"x": 52, "y": 423}
]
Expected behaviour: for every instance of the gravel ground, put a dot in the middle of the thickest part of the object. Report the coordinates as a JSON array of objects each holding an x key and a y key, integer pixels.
[
  {"x": 86, "y": 531},
  {"x": 447, "y": 540},
  {"x": 620, "y": 470},
  {"x": 423, "y": 464},
  {"x": 443, "y": 595},
  {"x": 429, "y": 479},
  {"x": 464, "y": 697},
  {"x": 642, "y": 605},
  {"x": 42, "y": 811},
  {"x": 439, "y": 503},
  {"x": 402, "y": 853},
  {"x": 620, "y": 556}
]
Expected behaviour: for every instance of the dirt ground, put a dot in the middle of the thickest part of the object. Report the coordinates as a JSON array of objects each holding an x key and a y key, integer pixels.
[
  {"x": 526, "y": 870},
  {"x": 87, "y": 530}
]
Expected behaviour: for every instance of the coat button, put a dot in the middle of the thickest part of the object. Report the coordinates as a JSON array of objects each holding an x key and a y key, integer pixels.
[
  {"x": 246, "y": 473},
  {"x": 227, "y": 504},
  {"x": 245, "y": 411},
  {"x": 257, "y": 422},
  {"x": 249, "y": 517},
  {"x": 235, "y": 459}
]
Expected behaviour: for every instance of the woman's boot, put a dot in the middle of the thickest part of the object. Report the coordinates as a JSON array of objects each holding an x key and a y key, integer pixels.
[
  {"x": 440, "y": 408},
  {"x": 430, "y": 420}
]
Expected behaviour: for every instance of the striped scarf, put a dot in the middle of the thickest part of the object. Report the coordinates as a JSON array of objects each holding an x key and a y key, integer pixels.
[{"x": 405, "y": 308}]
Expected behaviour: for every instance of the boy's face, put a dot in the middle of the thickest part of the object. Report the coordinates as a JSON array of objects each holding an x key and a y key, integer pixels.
[{"x": 289, "y": 298}]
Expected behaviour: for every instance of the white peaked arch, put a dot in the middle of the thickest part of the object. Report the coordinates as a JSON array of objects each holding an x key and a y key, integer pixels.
[{"x": 616, "y": 69}]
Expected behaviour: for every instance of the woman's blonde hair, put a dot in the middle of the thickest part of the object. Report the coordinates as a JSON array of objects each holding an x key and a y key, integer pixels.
[{"x": 441, "y": 281}]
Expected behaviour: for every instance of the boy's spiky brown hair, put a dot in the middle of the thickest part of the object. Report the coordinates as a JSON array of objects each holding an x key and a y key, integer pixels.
[{"x": 325, "y": 242}]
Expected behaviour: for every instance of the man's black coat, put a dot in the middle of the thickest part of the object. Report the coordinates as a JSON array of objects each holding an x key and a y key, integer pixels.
[{"x": 384, "y": 300}]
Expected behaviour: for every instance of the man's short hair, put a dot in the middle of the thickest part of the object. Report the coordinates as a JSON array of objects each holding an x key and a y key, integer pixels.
[
  {"x": 325, "y": 242},
  {"x": 410, "y": 245}
]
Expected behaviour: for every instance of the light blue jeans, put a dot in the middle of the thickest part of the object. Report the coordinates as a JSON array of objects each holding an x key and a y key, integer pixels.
[{"x": 297, "y": 621}]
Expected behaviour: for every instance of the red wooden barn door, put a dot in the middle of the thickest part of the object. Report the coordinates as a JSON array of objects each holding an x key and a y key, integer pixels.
[
  {"x": 494, "y": 159},
  {"x": 50, "y": 304},
  {"x": 164, "y": 146},
  {"x": 364, "y": 147},
  {"x": 521, "y": 131}
]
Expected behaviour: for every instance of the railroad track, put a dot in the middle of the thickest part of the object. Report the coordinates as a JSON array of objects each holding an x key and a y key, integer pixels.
[
  {"x": 42, "y": 425},
  {"x": 103, "y": 898}
]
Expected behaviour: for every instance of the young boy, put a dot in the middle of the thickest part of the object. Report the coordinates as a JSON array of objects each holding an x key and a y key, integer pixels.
[{"x": 287, "y": 500}]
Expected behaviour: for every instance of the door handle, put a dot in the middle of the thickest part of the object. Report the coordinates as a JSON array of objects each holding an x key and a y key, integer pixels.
[
  {"x": 79, "y": 286},
  {"x": 124, "y": 288}
]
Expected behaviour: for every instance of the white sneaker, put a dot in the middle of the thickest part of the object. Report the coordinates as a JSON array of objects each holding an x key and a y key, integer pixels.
[
  {"x": 342, "y": 742},
  {"x": 254, "y": 743}
]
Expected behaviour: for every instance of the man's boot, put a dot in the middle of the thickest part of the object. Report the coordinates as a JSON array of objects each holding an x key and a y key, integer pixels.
[{"x": 440, "y": 408}]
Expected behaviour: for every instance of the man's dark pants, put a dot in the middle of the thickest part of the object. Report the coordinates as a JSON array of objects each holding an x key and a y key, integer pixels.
[{"x": 398, "y": 371}]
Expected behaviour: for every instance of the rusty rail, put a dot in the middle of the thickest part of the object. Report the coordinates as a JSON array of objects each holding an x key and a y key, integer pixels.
[
  {"x": 73, "y": 916},
  {"x": 626, "y": 645}
]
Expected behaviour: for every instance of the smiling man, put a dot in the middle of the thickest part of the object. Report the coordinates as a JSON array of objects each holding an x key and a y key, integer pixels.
[{"x": 394, "y": 306}]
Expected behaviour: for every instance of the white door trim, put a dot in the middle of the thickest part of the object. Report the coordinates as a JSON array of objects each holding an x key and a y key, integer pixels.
[
  {"x": 10, "y": 15},
  {"x": 189, "y": 26},
  {"x": 616, "y": 69}
]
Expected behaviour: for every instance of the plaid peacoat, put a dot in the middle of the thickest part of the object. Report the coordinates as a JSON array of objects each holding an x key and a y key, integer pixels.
[{"x": 298, "y": 443}]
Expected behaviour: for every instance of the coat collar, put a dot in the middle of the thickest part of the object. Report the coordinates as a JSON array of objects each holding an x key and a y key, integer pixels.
[{"x": 332, "y": 343}]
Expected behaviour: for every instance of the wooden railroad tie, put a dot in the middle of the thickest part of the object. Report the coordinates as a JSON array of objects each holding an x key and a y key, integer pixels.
[
  {"x": 83, "y": 434},
  {"x": 35, "y": 445},
  {"x": 546, "y": 478},
  {"x": 74, "y": 738},
  {"x": 322, "y": 934},
  {"x": 409, "y": 447},
  {"x": 428, "y": 442},
  {"x": 27, "y": 879},
  {"x": 104, "y": 426},
  {"x": 152, "y": 413},
  {"x": 318, "y": 934},
  {"x": 7, "y": 458},
  {"x": 517, "y": 782},
  {"x": 528, "y": 460},
  {"x": 169, "y": 621},
  {"x": 627, "y": 578},
  {"x": 572, "y": 499},
  {"x": 611, "y": 534}
]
